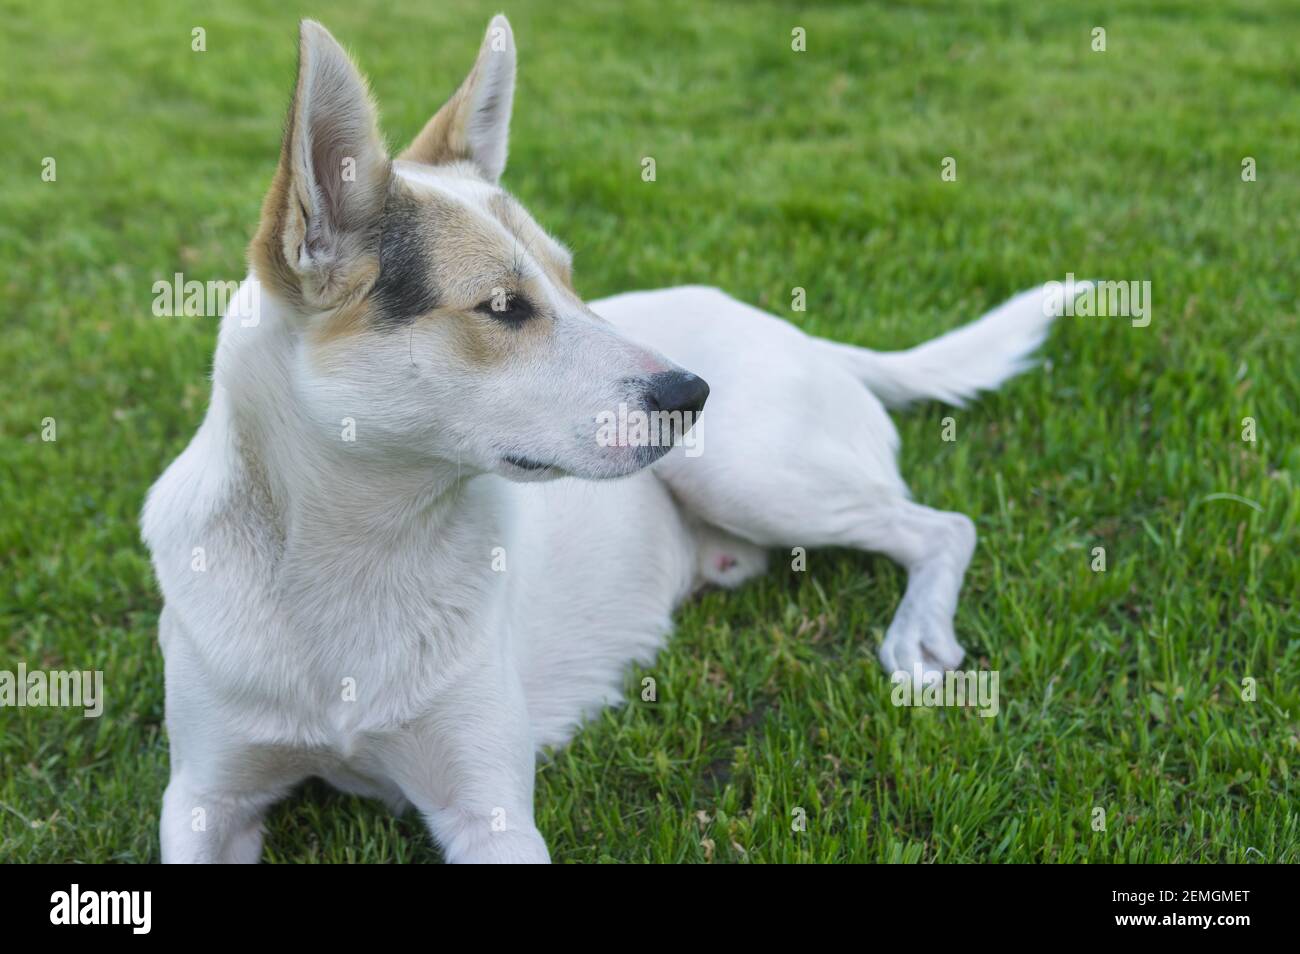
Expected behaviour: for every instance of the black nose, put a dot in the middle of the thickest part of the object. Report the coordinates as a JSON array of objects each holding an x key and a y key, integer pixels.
[{"x": 676, "y": 391}]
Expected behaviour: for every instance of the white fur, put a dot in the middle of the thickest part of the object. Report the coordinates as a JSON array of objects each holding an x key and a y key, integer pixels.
[
  {"x": 341, "y": 609},
  {"x": 958, "y": 365},
  {"x": 321, "y": 569}
]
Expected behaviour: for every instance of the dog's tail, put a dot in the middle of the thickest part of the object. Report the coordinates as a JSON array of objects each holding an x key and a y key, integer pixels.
[{"x": 958, "y": 365}]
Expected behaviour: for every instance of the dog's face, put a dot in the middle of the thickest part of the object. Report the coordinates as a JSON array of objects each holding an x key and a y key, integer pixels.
[{"x": 432, "y": 310}]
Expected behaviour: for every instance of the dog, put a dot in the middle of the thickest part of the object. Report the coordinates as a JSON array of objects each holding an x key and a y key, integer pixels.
[{"x": 398, "y": 556}]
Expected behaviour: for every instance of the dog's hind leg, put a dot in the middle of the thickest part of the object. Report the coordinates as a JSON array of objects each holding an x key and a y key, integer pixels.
[
  {"x": 804, "y": 455},
  {"x": 823, "y": 496},
  {"x": 795, "y": 447},
  {"x": 934, "y": 547}
]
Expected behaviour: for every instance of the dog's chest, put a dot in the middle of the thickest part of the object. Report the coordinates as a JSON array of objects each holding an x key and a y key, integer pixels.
[
  {"x": 317, "y": 653},
  {"x": 376, "y": 656}
]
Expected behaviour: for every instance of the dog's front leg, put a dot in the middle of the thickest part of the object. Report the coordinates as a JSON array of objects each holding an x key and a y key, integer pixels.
[
  {"x": 468, "y": 766},
  {"x": 213, "y": 807}
]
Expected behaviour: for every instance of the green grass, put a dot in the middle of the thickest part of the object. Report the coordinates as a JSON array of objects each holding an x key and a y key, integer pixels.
[{"x": 1120, "y": 690}]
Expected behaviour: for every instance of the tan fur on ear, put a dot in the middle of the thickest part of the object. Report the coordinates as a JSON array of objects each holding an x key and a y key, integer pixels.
[
  {"x": 474, "y": 124},
  {"x": 266, "y": 252},
  {"x": 317, "y": 245}
]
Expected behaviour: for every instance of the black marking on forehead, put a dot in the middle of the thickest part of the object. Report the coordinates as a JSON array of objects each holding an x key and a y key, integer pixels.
[{"x": 405, "y": 288}]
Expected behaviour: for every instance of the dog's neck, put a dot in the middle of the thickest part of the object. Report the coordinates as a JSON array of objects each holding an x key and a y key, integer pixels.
[{"x": 323, "y": 494}]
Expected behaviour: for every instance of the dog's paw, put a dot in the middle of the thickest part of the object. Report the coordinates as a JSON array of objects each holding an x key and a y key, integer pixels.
[
  {"x": 477, "y": 839},
  {"x": 923, "y": 649}
]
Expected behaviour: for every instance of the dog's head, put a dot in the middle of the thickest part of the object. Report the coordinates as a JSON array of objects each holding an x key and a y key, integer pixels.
[{"x": 427, "y": 304}]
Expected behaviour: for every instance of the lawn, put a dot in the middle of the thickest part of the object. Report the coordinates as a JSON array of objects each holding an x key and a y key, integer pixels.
[{"x": 1161, "y": 690}]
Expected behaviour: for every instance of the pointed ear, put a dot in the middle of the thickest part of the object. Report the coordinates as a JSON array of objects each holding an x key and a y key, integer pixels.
[
  {"x": 318, "y": 243},
  {"x": 474, "y": 125}
]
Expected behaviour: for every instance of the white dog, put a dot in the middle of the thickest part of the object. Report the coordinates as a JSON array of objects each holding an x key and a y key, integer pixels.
[{"x": 372, "y": 572}]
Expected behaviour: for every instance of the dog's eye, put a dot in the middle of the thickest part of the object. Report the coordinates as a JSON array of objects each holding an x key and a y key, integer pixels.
[{"x": 511, "y": 309}]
